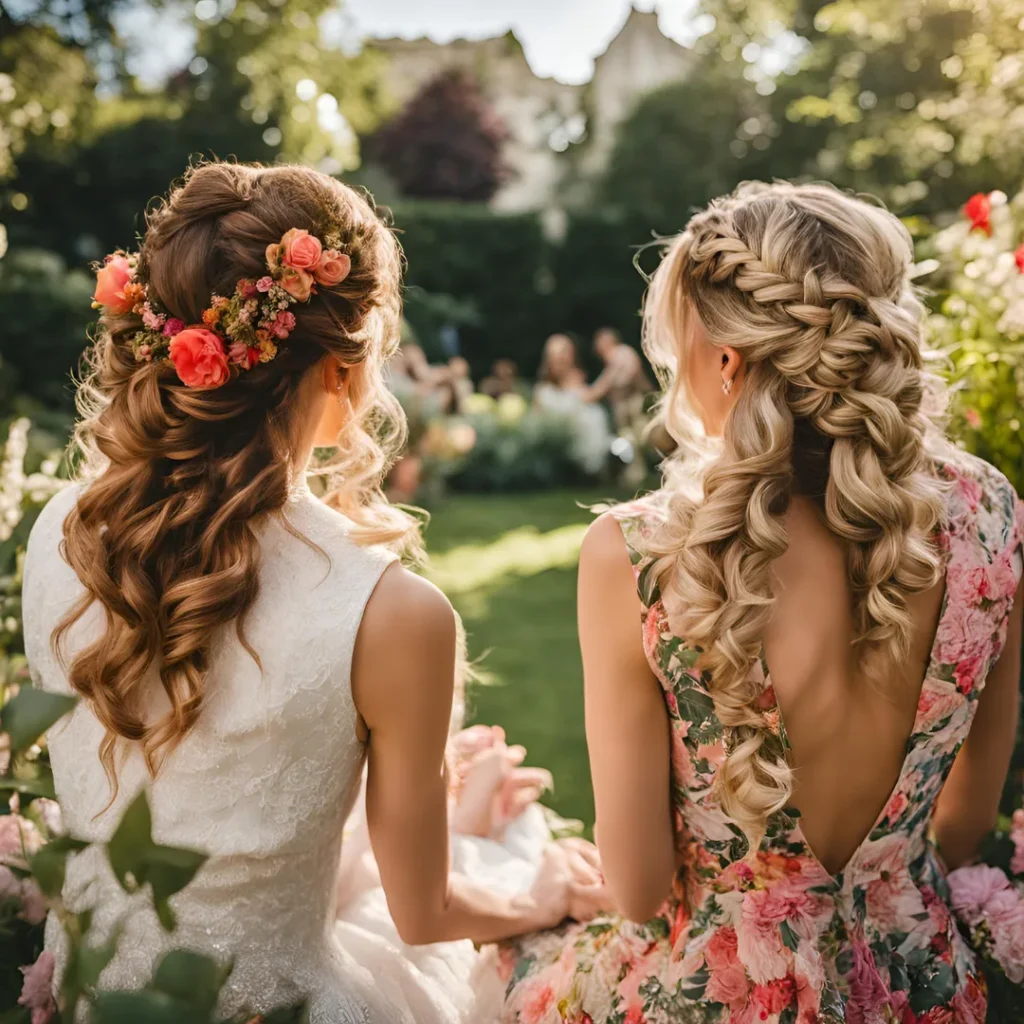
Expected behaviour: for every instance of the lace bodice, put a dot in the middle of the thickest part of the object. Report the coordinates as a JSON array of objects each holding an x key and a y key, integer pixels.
[{"x": 263, "y": 783}]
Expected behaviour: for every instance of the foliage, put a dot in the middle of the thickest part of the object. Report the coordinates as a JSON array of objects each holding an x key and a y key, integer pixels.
[
  {"x": 513, "y": 448},
  {"x": 915, "y": 100},
  {"x": 497, "y": 262},
  {"x": 979, "y": 325},
  {"x": 446, "y": 143},
  {"x": 45, "y": 309}
]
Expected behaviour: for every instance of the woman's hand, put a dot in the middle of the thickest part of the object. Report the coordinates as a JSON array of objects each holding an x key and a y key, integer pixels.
[
  {"x": 491, "y": 787},
  {"x": 588, "y": 896}
]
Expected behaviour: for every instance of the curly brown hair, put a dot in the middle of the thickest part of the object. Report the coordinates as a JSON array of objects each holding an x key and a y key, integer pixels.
[{"x": 164, "y": 534}]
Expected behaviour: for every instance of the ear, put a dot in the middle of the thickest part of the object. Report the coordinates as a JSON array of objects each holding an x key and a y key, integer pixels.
[
  {"x": 334, "y": 375},
  {"x": 732, "y": 363}
]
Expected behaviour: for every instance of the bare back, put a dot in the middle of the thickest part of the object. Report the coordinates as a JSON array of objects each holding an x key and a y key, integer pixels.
[{"x": 836, "y": 717}]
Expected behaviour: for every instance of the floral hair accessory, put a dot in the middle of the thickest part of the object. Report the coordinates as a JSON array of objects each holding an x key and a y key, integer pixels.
[{"x": 236, "y": 333}]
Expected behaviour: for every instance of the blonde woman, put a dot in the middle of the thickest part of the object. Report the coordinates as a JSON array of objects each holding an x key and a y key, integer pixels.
[
  {"x": 240, "y": 647},
  {"x": 820, "y": 609}
]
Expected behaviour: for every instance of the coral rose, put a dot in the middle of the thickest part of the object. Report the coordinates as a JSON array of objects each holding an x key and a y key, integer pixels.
[
  {"x": 199, "y": 357},
  {"x": 111, "y": 280},
  {"x": 299, "y": 249},
  {"x": 333, "y": 268}
]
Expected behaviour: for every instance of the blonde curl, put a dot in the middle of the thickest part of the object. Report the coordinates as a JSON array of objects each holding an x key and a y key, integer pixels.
[{"x": 811, "y": 286}]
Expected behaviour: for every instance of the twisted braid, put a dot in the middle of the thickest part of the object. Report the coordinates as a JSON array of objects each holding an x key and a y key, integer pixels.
[{"x": 810, "y": 286}]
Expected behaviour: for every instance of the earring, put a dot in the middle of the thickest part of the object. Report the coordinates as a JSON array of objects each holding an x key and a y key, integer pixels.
[{"x": 727, "y": 386}]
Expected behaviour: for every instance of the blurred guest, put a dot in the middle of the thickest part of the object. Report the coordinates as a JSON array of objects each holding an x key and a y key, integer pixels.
[
  {"x": 459, "y": 381},
  {"x": 562, "y": 390},
  {"x": 504, "y": 380},
  {"x": 623, "y": 382}
]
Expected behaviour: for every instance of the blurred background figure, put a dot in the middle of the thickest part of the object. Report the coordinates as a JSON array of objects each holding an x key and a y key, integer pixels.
[
  {"x": 624, "y": 383},
  {"x": 504, "y": 380}
]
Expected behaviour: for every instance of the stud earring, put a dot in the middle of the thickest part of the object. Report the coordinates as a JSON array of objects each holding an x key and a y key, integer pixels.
[{"x": 727, "y": 386}]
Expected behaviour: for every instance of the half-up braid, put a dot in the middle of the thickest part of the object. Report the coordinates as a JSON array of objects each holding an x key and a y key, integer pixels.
[
  {"x": 810, "y": 285},
  {"x": 164, "y": 537}
]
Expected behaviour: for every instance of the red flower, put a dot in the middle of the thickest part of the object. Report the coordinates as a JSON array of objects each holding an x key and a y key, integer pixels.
[
  {"x": 199, "y": 357},
  {"x": 1018, "y": 257},
  {"x": 978, "y": 210}
]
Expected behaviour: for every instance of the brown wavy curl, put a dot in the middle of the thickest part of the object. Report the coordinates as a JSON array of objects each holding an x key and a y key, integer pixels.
[{"x": 164, "y": 535}]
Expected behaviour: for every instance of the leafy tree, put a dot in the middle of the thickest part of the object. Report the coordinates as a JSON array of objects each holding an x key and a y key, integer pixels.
[{"x": 446, "y": 144}]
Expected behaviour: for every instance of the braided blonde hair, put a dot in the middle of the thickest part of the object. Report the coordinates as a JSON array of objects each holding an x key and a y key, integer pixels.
[{"x": 811, "y": 286}]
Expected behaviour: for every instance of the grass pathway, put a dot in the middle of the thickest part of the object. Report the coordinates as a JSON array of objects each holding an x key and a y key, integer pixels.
[{"x": 508, "y": 564}]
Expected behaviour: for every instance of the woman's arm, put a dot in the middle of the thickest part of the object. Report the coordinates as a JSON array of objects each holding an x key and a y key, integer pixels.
[
  {"x": 969, "y": 802},
  {"x": 402, "y": 678},
  {"x": 627, "y": 729}
]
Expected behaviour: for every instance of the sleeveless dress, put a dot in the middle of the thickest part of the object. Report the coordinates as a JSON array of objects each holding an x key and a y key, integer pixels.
[
  {"x": 781, "y": 939},
  {"x": 264, "y": 784}
]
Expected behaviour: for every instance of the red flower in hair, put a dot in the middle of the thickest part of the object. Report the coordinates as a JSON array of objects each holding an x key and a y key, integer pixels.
[
  {"x": 978, "y": 210},
  {"x": 1018, "y": 257},
  {"x": 200, "y": 359}
]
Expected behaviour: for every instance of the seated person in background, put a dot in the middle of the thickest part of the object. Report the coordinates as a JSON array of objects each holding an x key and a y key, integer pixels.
[
  {"x": 623, "y": 382},
  {"x": 504, "y": 380},
  {"x": 560, "y": 366},
  {"x": 460, "y": 382}
]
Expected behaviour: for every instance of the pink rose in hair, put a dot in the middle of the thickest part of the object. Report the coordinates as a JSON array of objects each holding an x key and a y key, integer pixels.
[
  {"x": 111, "y": 280},
  {"x": 242, "y": 355},
  {"x": 199, "y": 357},
  {"x": 299, "y": 249},
  {"x": 297, "y": 283},
  {"x": 333, "y": 268},
  {"x": 247, "y": 288},
  {"x": 283, "y": 325},
  {"x": 173, "y": 326},
  {"x": 37, "y": 990},
  {"x": 264, "y": 284},
  {"x": 154, "y": 321}
]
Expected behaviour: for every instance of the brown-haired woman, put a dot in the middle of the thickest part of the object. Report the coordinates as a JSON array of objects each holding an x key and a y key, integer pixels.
[{"x": 241, "y": 647}]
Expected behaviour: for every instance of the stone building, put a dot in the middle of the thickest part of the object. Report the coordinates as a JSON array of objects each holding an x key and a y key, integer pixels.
[{"x": 545, "y": 117}]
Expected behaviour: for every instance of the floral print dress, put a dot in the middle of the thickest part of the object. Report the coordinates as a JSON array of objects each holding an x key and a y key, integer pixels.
[{"x": 779, "y": 939}]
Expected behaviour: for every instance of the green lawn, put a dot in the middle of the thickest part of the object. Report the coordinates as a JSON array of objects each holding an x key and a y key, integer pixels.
[{"x": 508, "y": 564}]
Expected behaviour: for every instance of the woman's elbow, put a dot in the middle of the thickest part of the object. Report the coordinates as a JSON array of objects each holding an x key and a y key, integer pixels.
[
  {"x": 639, "y": 899},
  {"x": 417, "y": 931}
]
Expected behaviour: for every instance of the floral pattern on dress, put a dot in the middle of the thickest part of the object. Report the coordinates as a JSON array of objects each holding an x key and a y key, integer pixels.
[{"x": 777, "y": 938}]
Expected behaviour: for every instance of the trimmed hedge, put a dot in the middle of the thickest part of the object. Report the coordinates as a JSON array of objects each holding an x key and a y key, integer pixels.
[
  {"x": 522, "y": 287},
  {"x": 496, "y": 262}
]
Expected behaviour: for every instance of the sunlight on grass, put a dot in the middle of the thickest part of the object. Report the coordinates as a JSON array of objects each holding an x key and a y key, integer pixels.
[{"x": 521, "y": 552}]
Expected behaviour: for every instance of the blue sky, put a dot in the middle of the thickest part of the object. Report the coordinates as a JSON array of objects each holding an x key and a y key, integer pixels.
[{"x": 560, "y": 37}]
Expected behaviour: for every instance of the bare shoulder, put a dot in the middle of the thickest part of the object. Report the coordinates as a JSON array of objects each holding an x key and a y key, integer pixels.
[
  {"x": 407, "y": 608},
  {"x": 604, "y": 556}
]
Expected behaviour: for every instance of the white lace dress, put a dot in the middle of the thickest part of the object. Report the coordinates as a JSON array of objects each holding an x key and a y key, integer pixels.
[{"x": 264, "y": 784}]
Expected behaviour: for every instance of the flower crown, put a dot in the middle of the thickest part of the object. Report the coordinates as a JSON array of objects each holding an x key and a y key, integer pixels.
[{"x": 236, "y": 333}]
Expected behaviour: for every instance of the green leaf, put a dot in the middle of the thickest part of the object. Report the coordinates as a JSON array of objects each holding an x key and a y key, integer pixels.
[
  {"x": 26, "y": 717},
  {"x": 40, "y": 786},
  {"x": 136, "y": 859},
  {"x": 130, "y": 842},
  {"x": 148, "y": 1006},
  {"x": 50, "y": 863},
  {"x": 190, "y": 978},
  {"x": 169, "y": 869},
  {"x": 90, "y": 961},
  {"x": 789, "y": 937}
]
